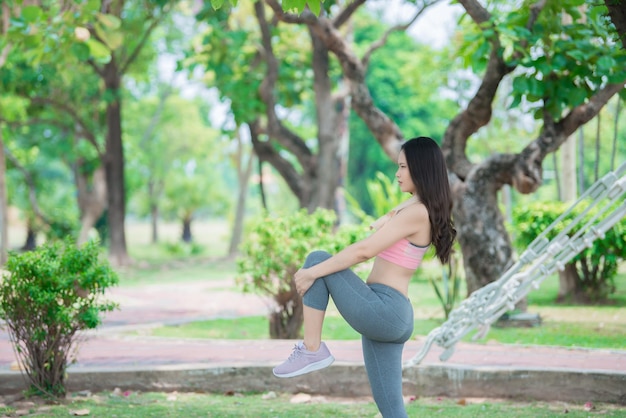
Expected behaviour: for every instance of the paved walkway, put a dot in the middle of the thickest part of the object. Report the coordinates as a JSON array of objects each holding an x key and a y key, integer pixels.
[{"x": 119, "y": 344}]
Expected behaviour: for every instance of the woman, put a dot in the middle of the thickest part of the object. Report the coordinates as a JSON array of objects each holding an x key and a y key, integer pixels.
[{"x": 379, "y": 309}]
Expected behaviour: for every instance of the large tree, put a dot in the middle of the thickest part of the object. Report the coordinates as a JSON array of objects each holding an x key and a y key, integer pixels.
[
  {"x": 294, "y": 96},
  {"x": 126, "y": 32},
  {"x": 293, "y": 106},
  {"x": 564, "y": 78},
  {"x": 565, "y": 73},
  {"x": 101, "y": 48},
  {"x": 107, "y": 38}
]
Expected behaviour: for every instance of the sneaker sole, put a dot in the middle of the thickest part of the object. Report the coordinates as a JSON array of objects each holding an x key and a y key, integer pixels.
[{"x": 309, "y": 368}]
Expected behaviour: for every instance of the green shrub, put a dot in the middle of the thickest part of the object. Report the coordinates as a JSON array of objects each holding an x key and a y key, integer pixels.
[
  {"x": 46, "y": 297},
  {"x": 275, "y": 248},
  {"x": 594, "y": 268},
  {"x": 183, "y": 249},
  {"x": 448, "y": 293}
]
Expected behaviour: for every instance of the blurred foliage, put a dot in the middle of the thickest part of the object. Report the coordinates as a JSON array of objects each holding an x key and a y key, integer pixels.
[{"x": 276, "y": 247}]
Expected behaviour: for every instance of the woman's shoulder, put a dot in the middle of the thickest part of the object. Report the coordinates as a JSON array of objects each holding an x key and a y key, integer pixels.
[{"x": 414, "y": 210}]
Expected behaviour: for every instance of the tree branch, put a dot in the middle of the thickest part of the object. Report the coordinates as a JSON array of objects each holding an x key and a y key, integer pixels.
[
  {"x": 617, "y": 13},
  {"x": 70, "y": 111},
  {"x": 585, "y": 112},
  {"x": 479, "y": 110},
  {"x": 96, "y": 68},
  {"x": 306, "y": 17},
  {"x": 265, "y": 152},
  {"x": 146, "y": 35},
  {"x": 527, "y": 174},
  {"x": 476, "y": 11},
  {"x": 347, "y": 13},
  {"x": 275, "y": 128},
  {"x": 384, "y": 129},
  {"x": 35, "y": 121}
]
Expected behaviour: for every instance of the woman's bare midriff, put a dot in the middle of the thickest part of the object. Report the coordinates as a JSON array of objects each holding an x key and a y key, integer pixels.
[{"x": 392, "y": 275}]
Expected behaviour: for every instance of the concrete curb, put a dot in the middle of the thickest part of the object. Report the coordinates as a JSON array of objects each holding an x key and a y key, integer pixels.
[{"x": 349, "y": 380}]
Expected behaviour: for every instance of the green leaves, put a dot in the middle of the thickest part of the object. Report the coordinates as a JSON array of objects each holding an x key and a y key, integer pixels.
[
  {"x": 449, "y": 293},
  {"x": 109, "y": 37},
  {"x": 108, "y": 28},
  {"x": 98, "y": 51},
  {"x": 276, "y": 247},
  {"x": 81, "y": 51},
  {"x": 31, "y": 14},
  {"x": 564, "y": 63},
  {"x": 49, "y": 32},
  {"x": 109, "y": 22},
  {"x": 228, "y": 54},
  {"x": 297, "y": 6}
]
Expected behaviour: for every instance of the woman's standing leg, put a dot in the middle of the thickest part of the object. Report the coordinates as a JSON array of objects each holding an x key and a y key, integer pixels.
[
  {"x": 383, "y": 363},
  {"x": 313, "y": 323}
]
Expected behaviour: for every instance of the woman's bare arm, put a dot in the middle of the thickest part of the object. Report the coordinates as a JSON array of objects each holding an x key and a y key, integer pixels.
[{"x": 406, "y": 223}]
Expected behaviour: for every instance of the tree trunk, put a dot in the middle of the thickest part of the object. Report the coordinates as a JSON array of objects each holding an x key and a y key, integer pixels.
[
  {"x": 186, "y": 236},
  {"x": 243, "y": 176},
  {"x": 153, "y": 198},
  {"x": 240, "y": 210},
  {"x": 568, "y": 170},
  {"x": 329, "y": 136},
  {"x": 484, "y": 240},
  {"x": 31, "y": 238},
  {"x": 581, "y": 157},
  {"x": 315, "y": 181},
  {"x": 568, "y": 283},
  {"x": 92, "y": 200},
  {"x": 286, "y": 321},
  {"x": 615, "y": 132},
  {"x": 114, "y": 165},
  {"x": 617, "y": 13},
  {"x": 102, "y": 226},
  {"x": 154, "y": 222}
]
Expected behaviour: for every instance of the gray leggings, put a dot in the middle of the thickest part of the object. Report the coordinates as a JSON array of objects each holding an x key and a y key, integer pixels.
[{"x": 384, "y": 318}]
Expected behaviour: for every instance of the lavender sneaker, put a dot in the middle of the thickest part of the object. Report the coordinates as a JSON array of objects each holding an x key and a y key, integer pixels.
[{"x": 302, "y": 361}]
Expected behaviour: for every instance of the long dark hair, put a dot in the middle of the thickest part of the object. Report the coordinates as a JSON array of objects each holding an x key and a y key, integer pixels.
[{"x": 430, "y": 176}]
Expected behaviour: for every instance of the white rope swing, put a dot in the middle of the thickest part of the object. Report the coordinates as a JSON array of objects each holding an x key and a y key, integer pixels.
[{"x": 541, "y": 259}]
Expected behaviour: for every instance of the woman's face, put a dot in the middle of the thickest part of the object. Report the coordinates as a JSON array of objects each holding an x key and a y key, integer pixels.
[{"x": 404, "y": 177}]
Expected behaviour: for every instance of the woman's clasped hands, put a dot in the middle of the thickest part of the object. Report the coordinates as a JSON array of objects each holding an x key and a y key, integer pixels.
[{"x": 304, "y": 279}]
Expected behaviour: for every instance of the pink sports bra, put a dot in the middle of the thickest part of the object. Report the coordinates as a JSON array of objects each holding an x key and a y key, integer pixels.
[{"x": 404, "y": 254}]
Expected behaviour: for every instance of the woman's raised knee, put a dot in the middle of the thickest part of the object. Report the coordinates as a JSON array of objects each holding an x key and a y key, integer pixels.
[{"x": 316, "y": 257}]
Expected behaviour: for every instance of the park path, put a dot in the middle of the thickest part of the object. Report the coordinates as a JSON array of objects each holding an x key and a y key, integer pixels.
[{"x": 157, "y": 304}]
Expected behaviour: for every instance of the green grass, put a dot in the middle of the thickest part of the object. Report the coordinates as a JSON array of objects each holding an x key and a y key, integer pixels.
[
  {"x": 162, "y": 405},
  {"x": 565, "y": 334},
  {"x": 175, "y": 271}
]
